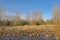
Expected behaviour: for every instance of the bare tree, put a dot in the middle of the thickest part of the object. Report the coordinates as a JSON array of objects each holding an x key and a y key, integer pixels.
[
  {"x": 27, "y": 16},
  {"x": 40, "y": 18},
  {"x": 2, "y": 13},
  {"x": 3, "y": 21},
  {"x": 35, "y": 15},
  {"x": 55, "y": 14},
  {"x": 16, "y": 19},
  {"x": 56, "y": 20}
]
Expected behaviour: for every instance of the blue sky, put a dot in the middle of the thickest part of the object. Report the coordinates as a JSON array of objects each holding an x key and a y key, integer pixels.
[{"x": 11, "y": 6}]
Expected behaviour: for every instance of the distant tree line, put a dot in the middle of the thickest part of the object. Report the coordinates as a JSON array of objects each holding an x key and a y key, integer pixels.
[{"x": 34, "y": 18}]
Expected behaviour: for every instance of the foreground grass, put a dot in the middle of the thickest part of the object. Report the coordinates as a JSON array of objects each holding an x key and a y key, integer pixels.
[{"x": 54, "y": 28}]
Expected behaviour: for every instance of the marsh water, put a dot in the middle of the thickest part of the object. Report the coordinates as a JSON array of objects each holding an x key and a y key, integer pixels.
[{"x": 27, "y": 38}]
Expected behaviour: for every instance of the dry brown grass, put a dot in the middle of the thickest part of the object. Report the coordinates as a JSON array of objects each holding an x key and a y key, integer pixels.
[
  {"x": 55, "y": 28},
  {"x": 38, "y": 27}
]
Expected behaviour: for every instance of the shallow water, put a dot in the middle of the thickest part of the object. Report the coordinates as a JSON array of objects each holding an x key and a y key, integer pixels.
[{"x": 27, "y": 38}]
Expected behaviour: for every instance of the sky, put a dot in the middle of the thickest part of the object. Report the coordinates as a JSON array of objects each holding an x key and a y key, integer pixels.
[{"x": 45, "y": 6}]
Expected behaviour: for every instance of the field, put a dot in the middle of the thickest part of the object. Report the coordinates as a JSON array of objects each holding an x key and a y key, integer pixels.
[{"x": 26, "y": 27}]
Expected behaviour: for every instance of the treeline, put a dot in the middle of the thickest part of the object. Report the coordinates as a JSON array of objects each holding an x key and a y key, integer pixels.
[
  {"x": 16, "y": 20},
  {"x": 34, "y": 18}
]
